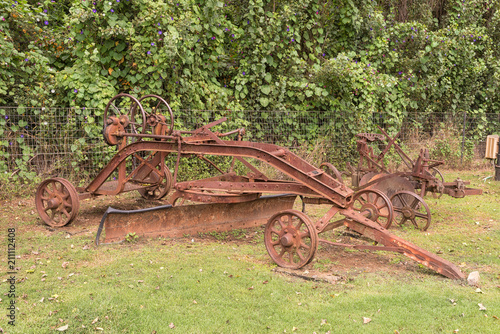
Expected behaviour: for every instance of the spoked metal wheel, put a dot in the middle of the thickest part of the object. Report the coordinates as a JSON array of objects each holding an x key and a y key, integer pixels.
[
  {"x": 291, "y": 239},
  {"x": 57, "y": 202},
  {"x": 374, "y": 205},
  {"x": 129, "y": 121},
  {"x": 161, "y": 189},
  {"x": 156, "y": 122},
  {"x": 440, "y": 180},
  {"x": 409, "y": 206}
]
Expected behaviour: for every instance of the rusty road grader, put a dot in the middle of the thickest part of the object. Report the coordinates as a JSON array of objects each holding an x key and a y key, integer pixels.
[
  {"x": 406, "y": 189},
  {"x": 144, "y": 139}
]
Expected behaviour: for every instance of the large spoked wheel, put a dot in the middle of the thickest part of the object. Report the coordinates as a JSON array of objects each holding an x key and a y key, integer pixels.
[
  {"x": 291, "y": 239},
  {"x": 128, "y": 121},
  {"x": 161, "y": 189},
  {"x": 409, "y": 206},
  {"x": 374, "y": 205},
  {"x": 57, "y": 202},
  {"x": 155, "y": 120}
]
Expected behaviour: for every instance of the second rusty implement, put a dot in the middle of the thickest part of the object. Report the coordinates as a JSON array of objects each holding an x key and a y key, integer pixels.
[
  {"x": 405, "y": 188},
  {"x": 145, "y": 139}
]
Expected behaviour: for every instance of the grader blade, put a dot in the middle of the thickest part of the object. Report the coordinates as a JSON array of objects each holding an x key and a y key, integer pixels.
[{"x": 177, "y": 221}]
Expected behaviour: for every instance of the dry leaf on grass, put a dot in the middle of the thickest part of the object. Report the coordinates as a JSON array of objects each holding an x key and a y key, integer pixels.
[
  {"x": 366, "y": 320},
  {"x": 62, "y": 328}
]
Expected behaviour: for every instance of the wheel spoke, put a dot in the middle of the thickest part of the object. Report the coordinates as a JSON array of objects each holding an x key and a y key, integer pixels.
[
  {"x": 306, "y": 246},
  {"x": 305, "y": 234},
  {"x": 421, "y": 215},
  {"x": 290, "y": 256},
  {"x": 272, "y": 230},
  {"x": 414, "y": 204},
  {"x": 63, "y": 211},
  {"x": 275, "y": 242},
  {"x": 403, "y": 200},
  {"x": 299, "y": 254}
]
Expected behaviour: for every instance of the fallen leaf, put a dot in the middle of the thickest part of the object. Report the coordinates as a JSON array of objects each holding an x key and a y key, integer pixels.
[
  {"x": 140, "y": 281},
  {"x": 494, "y": 316},
  {"x": 95, "y": 320},
  {"x": 265, "y": 282},
  {"x": 481, "y": 307},
  {"x": 366, "y": 320},
  {"x": 323, "y": 322},
  {"x": 250, "y": 288},
  {"x": 64, "y": 264},
  {"x": 62, "y": 328},
  {"x": 171, "y": 325},
  {"x": 479, "y": 290},
  {"x": 456, "y": 331},
  {"x": 195, "y": 302},
  {"x": 99, "y": 328}
]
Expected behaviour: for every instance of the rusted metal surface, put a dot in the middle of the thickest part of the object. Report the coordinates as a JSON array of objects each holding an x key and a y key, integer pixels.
[
  {"x": 176, "y": 221},
  {"x": 56, "y": 202},
  {"x": 421, "y": 176},
  {"x": 145, "y": 137},
  {"x": 410, "y": 207},
  {"x": 422, "y": 172}
]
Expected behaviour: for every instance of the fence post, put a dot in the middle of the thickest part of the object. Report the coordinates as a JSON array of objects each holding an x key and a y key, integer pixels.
[{"x": 463, "y": 140}]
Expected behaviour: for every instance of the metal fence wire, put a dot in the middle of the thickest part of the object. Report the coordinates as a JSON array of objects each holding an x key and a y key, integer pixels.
[{"x": 68, "y": 142}]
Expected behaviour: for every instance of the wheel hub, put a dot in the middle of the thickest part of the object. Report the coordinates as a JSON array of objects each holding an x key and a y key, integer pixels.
[
  {"x": 407, "y": 213},
  {"x": 287, "y": 239},
  {"x": 54, "y": 202},
  {"x": 371, "y": 209}
]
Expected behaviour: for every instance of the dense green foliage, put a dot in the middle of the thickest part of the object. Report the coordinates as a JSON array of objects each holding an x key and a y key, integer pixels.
[
  {"x": 351, "y": 59},
  {"x": 365, "y": 56}
]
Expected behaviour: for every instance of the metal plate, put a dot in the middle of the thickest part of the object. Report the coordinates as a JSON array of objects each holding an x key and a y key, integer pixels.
[{"x": 169, "y": 221}]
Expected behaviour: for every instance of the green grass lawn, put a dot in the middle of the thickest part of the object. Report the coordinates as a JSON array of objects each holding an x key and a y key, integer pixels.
[{"x": 218, "y": 284}]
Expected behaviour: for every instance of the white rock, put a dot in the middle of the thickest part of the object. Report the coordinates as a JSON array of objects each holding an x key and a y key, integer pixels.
[{"x": 473, "y": 278}]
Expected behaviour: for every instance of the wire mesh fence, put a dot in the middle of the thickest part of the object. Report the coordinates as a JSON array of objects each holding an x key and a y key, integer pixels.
[{"x": 68, "y": 142}]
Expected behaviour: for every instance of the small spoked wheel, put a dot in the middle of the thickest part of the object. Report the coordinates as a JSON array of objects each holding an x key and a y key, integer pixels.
[
  {"x": 159, "y": 190},
  {"x": 440, "y": 180},
  {"x": 374, "y": 205},
  {"x": 291, "y": 239},
  {"x": 57, "y": 202},
  {"x": 409, "y": 206}
]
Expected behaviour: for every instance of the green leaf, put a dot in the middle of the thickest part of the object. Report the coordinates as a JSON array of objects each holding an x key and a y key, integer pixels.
[
  {"x": 264, "y": 101},
  {"x": 266, "y": 89}
]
